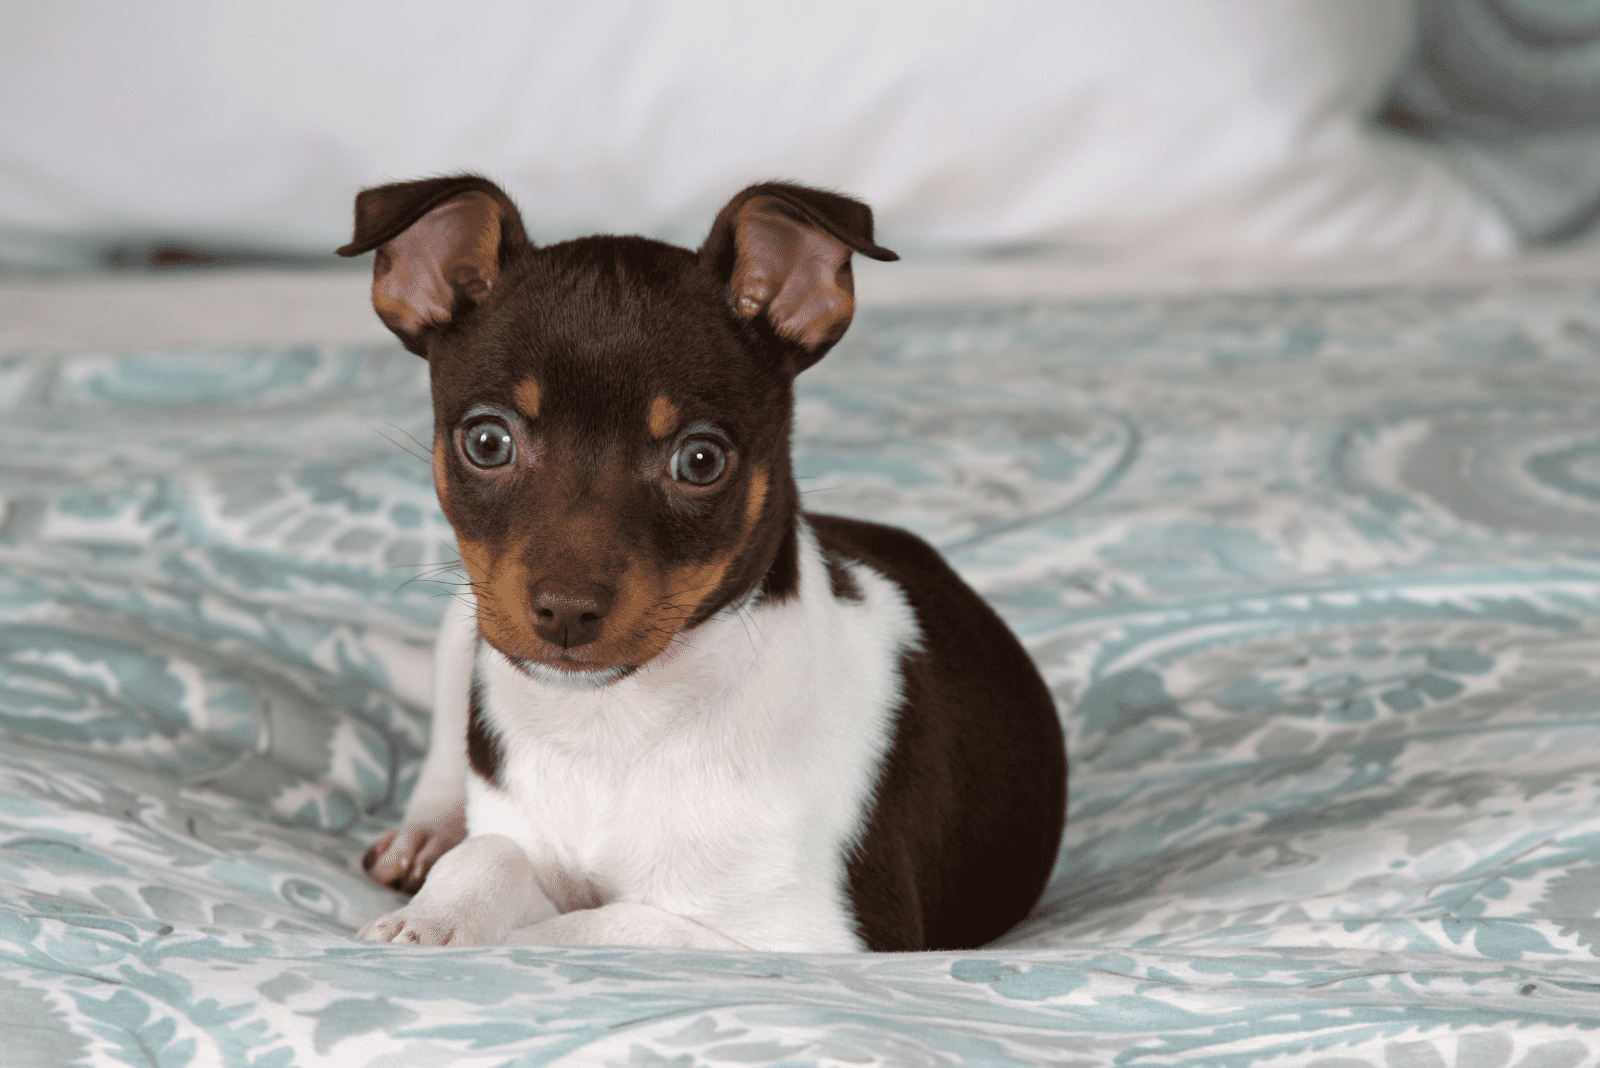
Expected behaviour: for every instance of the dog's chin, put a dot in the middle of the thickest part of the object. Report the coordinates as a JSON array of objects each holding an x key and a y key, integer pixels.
[{"x": 571, "y": 680}]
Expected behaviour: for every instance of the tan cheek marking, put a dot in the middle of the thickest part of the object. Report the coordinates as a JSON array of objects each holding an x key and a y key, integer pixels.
[
  {"x": 651, "y": 614},
  {"x": 527, "y": 395},
  {"x": 757, "y": 498},
  {"x": 475, "y": 556},
  {"x": 475, "y": 559},
  {"x": 683, "y": 590},
  {"x": 508, "y": 589},
  {"x": 500, "y": 595},
  {"x": 503, "y": 579},
  {"x": 441, "y": 479},
  {"x": 628, "y": 636},
  {"x": 663, "y": 416},
  {"x": 651, "y": 610}
]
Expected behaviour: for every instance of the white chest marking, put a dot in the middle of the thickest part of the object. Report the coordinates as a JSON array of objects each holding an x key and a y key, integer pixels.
[{"x": 727, "y": 780}]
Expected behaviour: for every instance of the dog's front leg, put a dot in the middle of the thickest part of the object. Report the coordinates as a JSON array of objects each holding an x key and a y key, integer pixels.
[
  {"x": 623, "y": 923},
  {"x": 476, "y": 894},
  {"x": 436, "y": 817}
]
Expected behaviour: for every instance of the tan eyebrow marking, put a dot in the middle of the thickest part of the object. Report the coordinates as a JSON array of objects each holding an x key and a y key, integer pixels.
[
  {"x": 527, "y": 395},
  {"x": 663, "y": 416}
]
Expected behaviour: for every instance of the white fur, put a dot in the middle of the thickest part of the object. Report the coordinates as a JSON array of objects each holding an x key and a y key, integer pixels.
[
  {"x": 476, "y": 894},
  {"x": 712, "y": 796},
  {"x": 443, "y": 781}
]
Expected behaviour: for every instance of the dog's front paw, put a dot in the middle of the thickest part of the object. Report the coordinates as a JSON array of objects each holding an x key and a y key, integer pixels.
[
  {"x": 404, "y": 925},
  {"x": 401, "y": 859}
]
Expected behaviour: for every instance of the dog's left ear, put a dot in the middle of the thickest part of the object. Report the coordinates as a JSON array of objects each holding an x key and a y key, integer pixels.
[
  {"x": 441, "y": 243},
  {"x": 784, "y": 251}
]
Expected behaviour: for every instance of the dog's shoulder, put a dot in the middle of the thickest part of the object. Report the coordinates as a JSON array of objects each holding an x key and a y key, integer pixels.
[{"x": 900, "y": 556}]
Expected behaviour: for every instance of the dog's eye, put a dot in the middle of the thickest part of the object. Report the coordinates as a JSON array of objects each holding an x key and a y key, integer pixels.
[
  {"x": 699, "y": 462},
  {"x": 488, "y": 443}
]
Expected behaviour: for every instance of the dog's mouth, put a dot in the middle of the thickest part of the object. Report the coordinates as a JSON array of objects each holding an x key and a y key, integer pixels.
[
  {"x": 569, "y": 669},
  {"x": 584, "y": 667},
  {"x": 572, "y": 678}
]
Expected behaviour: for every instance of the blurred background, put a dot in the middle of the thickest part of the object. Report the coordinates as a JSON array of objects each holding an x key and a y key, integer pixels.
[{"x": 180, "y": 133}]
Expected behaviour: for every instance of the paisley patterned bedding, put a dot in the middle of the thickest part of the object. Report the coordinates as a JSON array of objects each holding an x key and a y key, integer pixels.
[{"x": 1315, "y": 579}]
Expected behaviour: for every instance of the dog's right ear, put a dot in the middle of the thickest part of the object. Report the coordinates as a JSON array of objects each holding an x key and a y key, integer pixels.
[
  {"x": 441, "y": 243},
  {"x": 783, "y": 250}
]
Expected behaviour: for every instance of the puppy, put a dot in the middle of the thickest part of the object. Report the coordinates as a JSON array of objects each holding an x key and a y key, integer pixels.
[{"x": 676, "y": 709}]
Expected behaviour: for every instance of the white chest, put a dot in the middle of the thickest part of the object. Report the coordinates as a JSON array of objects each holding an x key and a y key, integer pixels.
[{"x": 726, "y": 784}]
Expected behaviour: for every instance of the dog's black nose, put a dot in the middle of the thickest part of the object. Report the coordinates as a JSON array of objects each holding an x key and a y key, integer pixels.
[{"x": 569, "y": 614}]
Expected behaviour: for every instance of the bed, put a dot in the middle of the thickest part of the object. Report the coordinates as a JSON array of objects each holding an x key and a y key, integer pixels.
[
  {"x": 1240, "y": 407},
  {"x": 1312, "y": 567}
]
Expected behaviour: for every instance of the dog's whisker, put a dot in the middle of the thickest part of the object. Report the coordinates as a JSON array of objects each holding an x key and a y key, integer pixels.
[
  {"x": 740, "y": 615},
  {"x": 750, "y": 622},
  {"x": 433, "y": 577},
  {"x": 424, "y": 447},
  {"x": 396, "y": 444}
]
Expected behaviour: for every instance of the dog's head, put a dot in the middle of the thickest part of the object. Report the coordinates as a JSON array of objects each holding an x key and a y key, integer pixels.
[{"x": 611, "y": 415}]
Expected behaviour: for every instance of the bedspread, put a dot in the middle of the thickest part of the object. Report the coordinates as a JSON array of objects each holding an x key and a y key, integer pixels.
[{"x": 1314, "y": 578}]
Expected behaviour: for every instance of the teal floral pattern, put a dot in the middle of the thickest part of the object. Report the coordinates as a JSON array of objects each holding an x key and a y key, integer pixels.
[{"x": 1315, "y": 580}]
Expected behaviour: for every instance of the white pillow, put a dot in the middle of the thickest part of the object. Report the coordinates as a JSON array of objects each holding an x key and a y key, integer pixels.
[{"x": 1202, "y": 127}]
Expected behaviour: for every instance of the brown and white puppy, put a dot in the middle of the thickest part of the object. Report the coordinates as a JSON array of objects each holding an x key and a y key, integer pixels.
[{"x": 677, "y": 710}]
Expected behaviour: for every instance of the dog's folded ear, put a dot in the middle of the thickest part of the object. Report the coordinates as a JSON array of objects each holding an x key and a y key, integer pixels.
[
  {"x": 784, "y": 251},
  {"x": 441, "y": 243}
]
